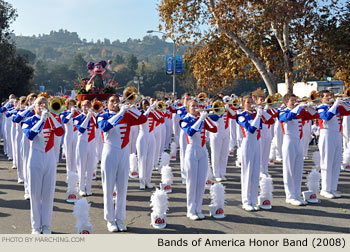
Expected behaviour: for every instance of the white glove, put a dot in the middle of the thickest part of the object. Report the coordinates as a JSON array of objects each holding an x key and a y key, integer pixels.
[
  {"x": 337, "y": 101},
  {"x": 153, "y": 106},
  {"x": 227, "y": 106},
  {"x": 203, "y": 115},
  {"x": 90, "y": 113},
  {"x": 259, "y": 112},
  {"x": 168, "y": 102},
  {"x": 31, "y": 107},
  {"x": 73, "y": 109},
  {"x": 44, "y": 115},
  {"x": 124, "y": 108}
]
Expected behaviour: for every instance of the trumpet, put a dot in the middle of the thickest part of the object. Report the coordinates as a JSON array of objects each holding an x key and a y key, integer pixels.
[
  {"x": 56, "y": 105},
  {"x": 218, "y": 107},
  {"x": 97, "y": 105}
]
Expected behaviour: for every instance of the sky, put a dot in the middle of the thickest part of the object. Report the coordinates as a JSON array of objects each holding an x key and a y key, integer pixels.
[{"x": 91, "y": 19}]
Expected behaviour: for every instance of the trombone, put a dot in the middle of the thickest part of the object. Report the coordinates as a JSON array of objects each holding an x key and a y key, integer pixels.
[{"x": 218, "y": 108}]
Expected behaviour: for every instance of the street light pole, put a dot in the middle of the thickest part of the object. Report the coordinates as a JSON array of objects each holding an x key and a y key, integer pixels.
[{"x": 174, "y": 54}]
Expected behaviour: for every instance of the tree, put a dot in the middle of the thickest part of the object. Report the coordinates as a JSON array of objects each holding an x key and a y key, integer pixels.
[
  {"x": 15, "y": 73},
  {"x": 28, "y": 55},
  {"x": 243, "y": 39},
  {"x": 79, "y": 65},
  {"x": 131, "y": 62},
  {"x": 119, "y": 59}
]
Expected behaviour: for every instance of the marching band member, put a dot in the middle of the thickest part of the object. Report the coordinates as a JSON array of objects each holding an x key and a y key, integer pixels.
[
  {"x": 115, "y": 159},
  {"x": 330, "y": 143},
  {"x": 86, "y": 149},
  {"x": 20, "y": 117},
  {"x": 181, "y": 114},
  {"x": 292, "y": 148},
  {"x": 71, "y": 135},
  {"x": 251, "y": 123},
  {"x": 6, "y": 124},
  {"x": 219, "y": 141},
  {"x": 12, "y": 132},
  {"x": 40, "y": 130},
  {"x": 17, "y": 140},
  {"x": 145, "y": 143},
  {"x": 196, "y": 157}
]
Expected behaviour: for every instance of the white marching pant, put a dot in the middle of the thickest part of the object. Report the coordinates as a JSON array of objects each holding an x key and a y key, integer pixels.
[
  {"x": 145, "y": 152},
  {"x": 196, "y": 166},
  {"x": 86, "y": 161},
  {"x": 168, "y": 126},
  {"x": 25, "y": 155},
  {"x": 19, "y": 152},
  {"x": 162, "y": 140},
  {"x": 99, "y": 144},
  {"x": 239, "y": 136},
  {"x": 330, "y": 148},
  {"x": 176, "y": 129},
  {"x": 7, "y": 132},
  {"x": 13, "y": 144},
  {"x": 233, "y": 133},
  {"x": 219, "y": 146},
  {"x": 306, "y": 137},
  {"x": 42, "y": 180},
  {"x": 157, "y": 136},
  {"x": 70, "y": 146},
  {"x": 134, "y": 132},
  {"x": 279, "y": 139},
  {"x": 183, "y": 145},
  {"x": 265, "y": 143},
  {"x": 293, "y": 163},
  {"x": 250, "y": 169},
  {"x": 115, "y": 171}
]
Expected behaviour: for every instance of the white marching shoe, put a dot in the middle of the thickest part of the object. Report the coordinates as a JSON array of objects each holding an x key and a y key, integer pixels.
[
  {"x": 121, "y": 225},
  {"x": 111, "y": 226}
]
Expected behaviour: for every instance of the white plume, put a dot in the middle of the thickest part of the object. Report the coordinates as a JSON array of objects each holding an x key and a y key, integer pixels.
[
  {"x": 266, "y": 187},
  {"x": 313, "y": 181},
  {"x": 167, "y": 175},
  {"x": 173, "y": 149},
  {"x": 316, "y": 159},
  {"x": 72, "y": 181},
  {"x": 164, "y": 159},
  {"x": 81, "y": 212},
  {"x": 133, "y": 162},
  {"x": 217, "y": 193},
  {"x": 210, "y": 172},
  {"x": 159, "y": 202},
  {"x": 346, "y": 156}
]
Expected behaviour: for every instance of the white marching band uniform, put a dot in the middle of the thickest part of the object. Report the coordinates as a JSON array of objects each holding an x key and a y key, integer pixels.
[
  {"x": 42, "y": 167},
  {"x": 85, "y": 150},
  {"x": 115, "y": 159},
  {"x": 251, "y": 124},
  {"x": 196, "y": 161},
  {"x": 292, "y": 148},
  {"x": 330, "y": 145}
]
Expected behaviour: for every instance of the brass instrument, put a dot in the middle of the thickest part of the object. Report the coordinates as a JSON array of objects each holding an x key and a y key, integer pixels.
[
  {"x": 97, "y": 105},
  {"x": 236, "y": 103},
  {"x": 345, "y": 94},
  {"x": 161, "y": 106},
  {"x": 218, "y": 107},
  {"x": 202, "y": 97},
  {"x": 130, "y": 95},
  {"x": 278, "y": 97},
  {"x": 56, "y": 105},
  {"x": 270, "y": 101}
]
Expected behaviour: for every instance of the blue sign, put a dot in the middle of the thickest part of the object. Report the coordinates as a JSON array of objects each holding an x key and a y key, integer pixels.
[
  {"x": 169, "y": 64},
  {"x": 41, "y": 88},
  {"x": 178, "y": 64},
  {"x": 169, "y": 67}
]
